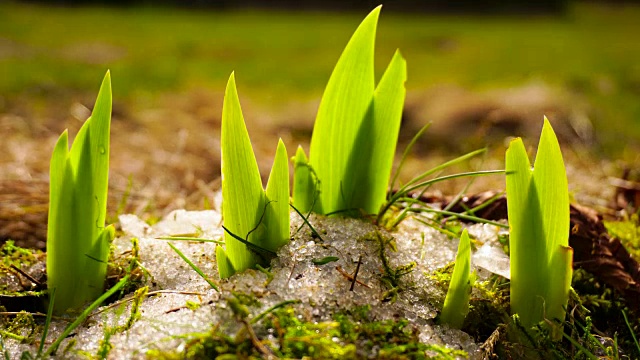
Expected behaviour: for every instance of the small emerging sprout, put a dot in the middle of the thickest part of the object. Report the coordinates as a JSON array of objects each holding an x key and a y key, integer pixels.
[
  {"x": 456, "y": 303},
  {"x": 77, "y": 239}
]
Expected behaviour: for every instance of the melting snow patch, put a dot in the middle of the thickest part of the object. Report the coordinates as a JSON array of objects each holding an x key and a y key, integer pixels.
[{"x": 323, "y": 289}]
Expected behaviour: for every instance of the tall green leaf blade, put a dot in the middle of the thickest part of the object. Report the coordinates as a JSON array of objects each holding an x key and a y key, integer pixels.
[
  {"x": 64, "y": 252},
  {"x": 277, "y": 215},
  {"x": 241, "y": 185},
  {"x": 85, "y": 220},
  {"x": 56, "y": 180},
  {"x": 388, "y": 103},
  {"x": 456, "y": 303},
  {"x": 528, "y": 250},
  {"x": 344, "y": 105},
  {"x": 550, "y": 178},
  {"x": 100, "y": 143},
  {"x": 78, "y": 145},
  {"x": 305, "y": 191}
]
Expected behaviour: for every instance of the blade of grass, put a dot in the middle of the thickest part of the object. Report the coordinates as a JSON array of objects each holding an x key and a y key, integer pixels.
[
  {"x": 456, "y": 215},
  {"x": 633, "y": 335},
  {"x": 194, "y": 267},
  {"x": 405, "y": 155},
  {"x": 443, "y": 166},
  {"x": 54, "y": 347},
  {"x": 186, "y": 238},
  {"x": 306, "y": 221},
  {"x": 404, "y": 190},
  {"x": 452, "y": 176},
  {"x": 47, "y": 323}
]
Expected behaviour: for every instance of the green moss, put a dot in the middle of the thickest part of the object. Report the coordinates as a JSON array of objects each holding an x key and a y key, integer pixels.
[
  {"x": 22, "y": 327},
  {"x": 286, "y": 333},
  {"x": 628, "y": 231},
  {"x": 12, "y": 256},
  {"x": 391, "y": 275}
]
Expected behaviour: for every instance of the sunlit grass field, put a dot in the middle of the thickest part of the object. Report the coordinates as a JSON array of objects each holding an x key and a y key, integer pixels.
[{"x": 592, "y": 51}]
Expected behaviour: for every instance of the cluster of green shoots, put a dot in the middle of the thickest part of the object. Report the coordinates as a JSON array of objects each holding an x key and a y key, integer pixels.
[
  {"x": 349, "y": 166},
  {"x": 77, "y": 240},
  {"x": 538, "y": 210}
]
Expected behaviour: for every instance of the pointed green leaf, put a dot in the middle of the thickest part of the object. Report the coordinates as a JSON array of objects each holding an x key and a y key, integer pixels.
[
  {"x": 344, "y": 105},
  {"x": 456, "y": 303},
  {"x": 550, "y": 178},
  {"x": 225, "y": 268},
  {"x": 378, "y": 138},
  {"x": 100, "y": 134},
  {"x": 277, "y": 192},
  {"x": 242, "y": 191},
  {"x": 56, "y": 179},
  {"x": 527, "y": 247},
  {"x": 305, "y": 191}
]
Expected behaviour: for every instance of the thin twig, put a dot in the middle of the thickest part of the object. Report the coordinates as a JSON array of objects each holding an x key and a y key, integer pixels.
[
  {"x": 31, "y": 278},
  {"x": 350, "y": 277},
  {"x": 355, "y": 274}
]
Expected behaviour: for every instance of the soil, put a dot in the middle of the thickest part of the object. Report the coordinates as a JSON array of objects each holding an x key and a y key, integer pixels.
[{"x": 165, "y": 153}]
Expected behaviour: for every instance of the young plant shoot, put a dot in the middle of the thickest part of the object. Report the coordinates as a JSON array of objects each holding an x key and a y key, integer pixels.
[
  {"x": 356, "y": 131},
  {"x": 77, "y": 239},
  {"x": 256, "y": 221},
  {"x": 456, "y": 303},
  {"x": 538, "y": 210}
]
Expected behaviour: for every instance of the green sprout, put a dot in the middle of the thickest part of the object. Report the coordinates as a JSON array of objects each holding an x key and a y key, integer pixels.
[
  {"x": 355, "y": 133},
  {"x": 256, "y": 220},
  {"x": 538, "y": 211},
  {"x": 77, "y": 239},
  {"x": 456, "y": 303}
]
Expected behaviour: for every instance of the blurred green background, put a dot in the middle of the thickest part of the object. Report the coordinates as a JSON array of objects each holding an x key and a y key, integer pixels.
[
  {"x": 589, "y": 52},
  {"x": 481, "y": 71}
]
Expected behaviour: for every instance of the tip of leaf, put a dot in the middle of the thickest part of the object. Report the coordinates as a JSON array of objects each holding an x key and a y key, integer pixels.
[
  {"x": 513, "y": 142},
  {"x": 232, "y": 79},
  {"x": 301, "y": 155},
  {"x": 375, "y": 13},
  {"x": 107, "y": 79}
]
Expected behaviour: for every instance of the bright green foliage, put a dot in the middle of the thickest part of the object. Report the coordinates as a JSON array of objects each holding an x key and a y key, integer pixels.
[
  {"x": 260, "y": 218},
  {"x": 77, "y": 239},
  {"x": 456, "y": 304},
  {"x": 356, "y": 129},
  {"x": 538, "y": 210}
]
